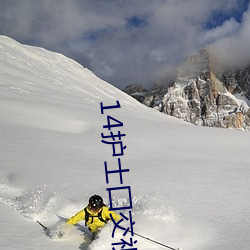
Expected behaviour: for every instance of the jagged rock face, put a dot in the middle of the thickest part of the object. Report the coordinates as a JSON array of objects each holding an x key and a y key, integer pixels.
[
  {"x": 204, "y": 102},
  {"x": 237, "y": 81},
  {"x": 199, "y": 97},
  {"x": 137, "y": 91}
]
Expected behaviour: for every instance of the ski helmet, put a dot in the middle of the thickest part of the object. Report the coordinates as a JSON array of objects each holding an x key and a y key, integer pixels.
[{"x": 95, "y": 202}]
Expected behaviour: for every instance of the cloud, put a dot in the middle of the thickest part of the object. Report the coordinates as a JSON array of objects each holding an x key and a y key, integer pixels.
[
  {"x": 233, "y": 49},
  {"x": 228, "y": 28},
  {"x": 122, "y": 41}
]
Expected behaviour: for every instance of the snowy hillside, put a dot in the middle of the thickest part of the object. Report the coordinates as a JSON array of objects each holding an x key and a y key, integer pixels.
[{"x": 190, "y": 185}]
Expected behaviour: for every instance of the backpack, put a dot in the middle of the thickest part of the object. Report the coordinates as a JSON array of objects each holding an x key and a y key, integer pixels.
[{"x": 99, "y": 216}]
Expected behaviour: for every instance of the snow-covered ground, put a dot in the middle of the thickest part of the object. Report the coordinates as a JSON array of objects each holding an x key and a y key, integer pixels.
[{"x": 190, "y": 185}]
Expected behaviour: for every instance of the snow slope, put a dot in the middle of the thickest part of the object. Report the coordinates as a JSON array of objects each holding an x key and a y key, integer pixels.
[{"x": 190, "y": 185}]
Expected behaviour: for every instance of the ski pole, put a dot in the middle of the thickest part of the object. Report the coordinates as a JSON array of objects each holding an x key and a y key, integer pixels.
[
  {"x": 45, "y": 228},
  {"x": 159, "y": 243}
]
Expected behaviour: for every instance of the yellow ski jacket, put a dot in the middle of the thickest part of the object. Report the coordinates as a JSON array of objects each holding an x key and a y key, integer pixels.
[{"x": 93, "y": 222}]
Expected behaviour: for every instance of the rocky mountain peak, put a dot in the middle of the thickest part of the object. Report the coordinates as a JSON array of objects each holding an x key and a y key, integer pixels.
[
  {"x": 196, "y": 64},
  {"x": 200, "y": 96}
]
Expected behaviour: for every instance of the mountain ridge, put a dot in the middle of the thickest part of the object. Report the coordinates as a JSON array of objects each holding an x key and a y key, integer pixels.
[{"x": 201, "y": 95}]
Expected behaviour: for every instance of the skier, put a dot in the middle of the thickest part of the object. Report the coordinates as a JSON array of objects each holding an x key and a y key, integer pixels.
[{"x": 95, "y": 214}]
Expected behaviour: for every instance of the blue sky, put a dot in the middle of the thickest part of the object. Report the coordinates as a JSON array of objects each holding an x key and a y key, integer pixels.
[
  {"x": 137, "y": 41},
  {"x": 218, "y": 17}
]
